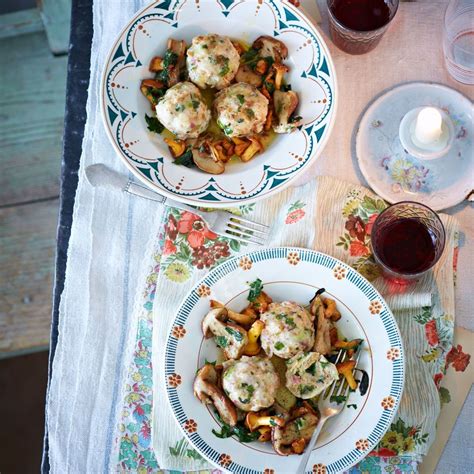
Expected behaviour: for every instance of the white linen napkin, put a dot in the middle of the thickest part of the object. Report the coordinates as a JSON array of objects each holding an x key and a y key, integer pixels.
[{"x": 109, "y": 237}]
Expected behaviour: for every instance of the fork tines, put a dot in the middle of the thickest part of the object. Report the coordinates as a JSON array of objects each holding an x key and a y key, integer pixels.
[
  {"x": 340, "y": 386},
  {"x": 247, "y": 231}
]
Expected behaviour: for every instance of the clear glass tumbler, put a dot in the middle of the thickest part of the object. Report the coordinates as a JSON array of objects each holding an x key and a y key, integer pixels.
[
  {"x": 407, "y": 240},
  {"x": 357, "y": 26},
  {"x": 458, "y": 40}
]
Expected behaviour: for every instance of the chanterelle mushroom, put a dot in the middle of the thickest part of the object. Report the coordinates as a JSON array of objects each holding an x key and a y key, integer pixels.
[
  {"x": 207, "y": 391},
  {"x": 271, "y": 47},
  {"x": 230, "y": 337},
  {"x": 296, "y": 433},
  {"x": 285, "y": 104},
  {"x": 322, "y": 341}
]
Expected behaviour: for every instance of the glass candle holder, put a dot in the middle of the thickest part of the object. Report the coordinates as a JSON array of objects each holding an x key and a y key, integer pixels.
[
  {"x": 357, "y": 26},
  {"x": 458, "y": 40},
  {"x": 407, "y": 240}
]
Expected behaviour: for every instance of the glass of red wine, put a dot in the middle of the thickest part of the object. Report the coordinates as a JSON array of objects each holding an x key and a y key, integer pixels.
[
  {"x": 358, "y": 25},
  {"x": 407, "y": 240}
]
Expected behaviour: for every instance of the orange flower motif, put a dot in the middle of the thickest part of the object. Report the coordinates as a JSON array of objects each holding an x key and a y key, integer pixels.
[
  {"x": 393, "y": 353},
  {"x": 268, "y": 471},
  {"x": 179, "y": 332},
  {"x": 203, "y": 291},
  {"x": 319, "y": 469},
  {"x": 174, "y": 380},
  {"x": 245, "y": 263},
  {"x": 190, "y": 426},
  {"x": 339, "y": 272},
  {"x": 375, "y": 307},
  {"x": 388, "y": 403},
  {"x": 225, "y": 460},
  {"x": 293, "y": 258},
  {"x": 362, "y": 445}
]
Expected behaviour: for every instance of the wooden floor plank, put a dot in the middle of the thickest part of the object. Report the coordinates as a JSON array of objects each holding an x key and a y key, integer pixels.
[
  {"x": 56, "y": 16},
  {"x": 27, "y": 246},
  {"x": 32, "y": 99}
]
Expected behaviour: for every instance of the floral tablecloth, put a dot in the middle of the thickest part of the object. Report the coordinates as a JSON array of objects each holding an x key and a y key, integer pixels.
[{"x": 185, "y": 245}]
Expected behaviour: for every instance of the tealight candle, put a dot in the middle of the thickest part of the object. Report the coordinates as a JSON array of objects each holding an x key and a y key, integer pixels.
[
  {"x": 426, "y": 132},
  {"x": 428, "y": 127}
]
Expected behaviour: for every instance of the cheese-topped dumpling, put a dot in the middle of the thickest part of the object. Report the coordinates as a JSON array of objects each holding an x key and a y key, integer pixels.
[
  {"x": 250, "y": 382},
  {"x": 288, "y": 330},
  {"x": 309, "y": 373},
  {"x": 183, "y": 111},
  {"x": 241, "y": 110},
  {"x": 212, "y": 61}
]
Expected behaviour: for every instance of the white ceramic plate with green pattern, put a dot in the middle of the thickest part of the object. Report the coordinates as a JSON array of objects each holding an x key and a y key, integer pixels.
[
  {"x": 289, "y": 274},
  {"x": 311, "y": 75}
]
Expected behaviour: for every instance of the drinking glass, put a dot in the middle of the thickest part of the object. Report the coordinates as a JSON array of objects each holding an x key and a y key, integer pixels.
[
  {"x": 357, "y": 26},
  {"x": 458, "y": 40},
  {"x": 407, "y": 240}
]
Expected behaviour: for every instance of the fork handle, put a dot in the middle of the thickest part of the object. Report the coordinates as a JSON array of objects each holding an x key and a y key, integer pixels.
[
  {"x": 142, "y": 191},
  {"x": 309, "y": 448}
]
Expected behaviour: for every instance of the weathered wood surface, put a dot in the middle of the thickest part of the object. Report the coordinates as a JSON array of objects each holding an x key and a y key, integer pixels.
[
  {"x": 56, "y": 15},
  {"x": 20, "y": 23},
  {"x": 32, "y": 100},
  {"x": 27, "y": 247}
]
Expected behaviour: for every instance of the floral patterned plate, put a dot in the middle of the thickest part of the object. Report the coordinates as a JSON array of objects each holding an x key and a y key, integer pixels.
[
  {"x": 392, "y": 172},
  {"x": 146, "y": 155},
  {"x": 289, "y": 274}
]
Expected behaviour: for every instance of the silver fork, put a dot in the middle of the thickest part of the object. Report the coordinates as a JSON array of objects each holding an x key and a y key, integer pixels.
[
  {"x": 327, "y": 409},
  {"x": 221, "y": 222}
]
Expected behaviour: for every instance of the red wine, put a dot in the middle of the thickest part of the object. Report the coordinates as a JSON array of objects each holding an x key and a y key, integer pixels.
[
  {"x": 405, "y": 246},
  {"x": 361, "y": 15}
]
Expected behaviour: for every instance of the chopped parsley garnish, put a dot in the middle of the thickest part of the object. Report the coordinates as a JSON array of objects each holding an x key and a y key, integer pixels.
[
  {"x": 241, "y": 98},
  {"x": 256, "y": 288},
  {"x": 186, "y": 159},
  {"x": 250, "y": 390},
  {"x": 312, "y": 369},
  {"x": 205, "y": 46},
  {"x": 226, "y": 128},
  {"x": 324, "y": 364},
  {"x": 288, "y": 321},
  {"x": 279, "y": 345},
  {"x": 241, "y": 432},
  {"x": 240, "y": 120},
  {"x": 272, "y": 422},
  {"x": 234, "y": 333},
  {"x": 225, "y": 68},
  {"x": 338, "y": 399},
  {"x": 163, "y": 76},
  {"x": 195, "y": 104},
  {"x": 170, "y": 58},
  {"x": 153, "y": 124},
  {"x": 179, "y": 108},
  {"x": 306, "y": 389},
  {"x": 285, "y": 87},
  {"x": 221, "y": 341},
  {"x": 270, "y": 86},
  {"x": 209, "y": 362},
  {"x": 249, "y": 113},
  {"x": 299, "y": 423},
  {"x": 250, "y": 57},
  {"x": 156, "y": 94},
  {"x": 352, "y": 405}
]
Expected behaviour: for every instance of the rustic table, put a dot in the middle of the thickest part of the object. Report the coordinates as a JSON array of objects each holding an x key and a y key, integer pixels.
[{"x": 405, "y": 63}]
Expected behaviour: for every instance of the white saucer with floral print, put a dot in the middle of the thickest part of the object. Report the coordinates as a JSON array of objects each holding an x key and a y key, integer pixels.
[{"x": 392, "y": 172}]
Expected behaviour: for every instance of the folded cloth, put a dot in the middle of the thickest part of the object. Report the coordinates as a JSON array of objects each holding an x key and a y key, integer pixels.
[{"x": 336, "y": 218}]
